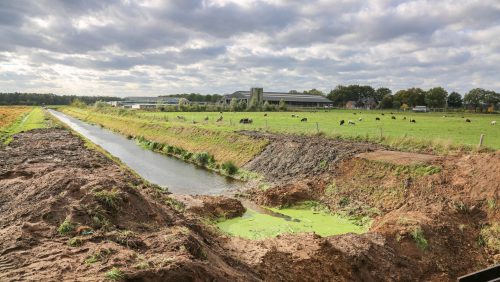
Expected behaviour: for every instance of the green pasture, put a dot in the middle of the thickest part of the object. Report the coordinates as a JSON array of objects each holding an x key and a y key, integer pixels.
[{"x": 438, "y": 129}]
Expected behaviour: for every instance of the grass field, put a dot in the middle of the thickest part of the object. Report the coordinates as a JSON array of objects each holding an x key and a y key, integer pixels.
[
  {"x": 431, "y": 130},
  {"x": 18, "y": 119}
]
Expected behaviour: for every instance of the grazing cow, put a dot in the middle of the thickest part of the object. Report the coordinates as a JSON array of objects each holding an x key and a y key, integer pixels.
[
  {"x": 404, "y": 118},
  {"x": 265, "y": 115},
  {"x": 444, "y": 116},
  {"x": 219, "y": 119},
  {"x": 342, "y": 122},
  {"x": 377, "y": 118},
  {"x": 383, "y": 114},
  {"x": 195, "y": 122},
  {"x": 412, "y": 120},
  {"x": 351, "y": 122},
  {"x": 206, "y": 118},
  {"x": 246, "y": 120},
  {"x": 494, "y": 122},
  {"x": 220, "y": 113},
  {"x": 304, "y": 119},
  {"x": 294, "y": 115},
  {"x": 353, "y": 113},
  {"x": 360, "y": 119},
  {"x": 462, "y": 116},
  {"x": 393, "y": 117},
  {"x": 467, "y": 120},
  {"x": 181, "y": 117}
]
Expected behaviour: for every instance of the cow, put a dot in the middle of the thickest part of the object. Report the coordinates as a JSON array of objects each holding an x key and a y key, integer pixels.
[
  {"x": 246, "y": 120},
  {"x": 351, "y": 122},
  {"x": 377, "y": 118},
  {"x": 181, "y": 118},
  {"x": 393, "y": 117},
  {"x": 206, "y": 118},
  {"x": 360, "y": 119},
  {"x": 303, "y": 119},
  {"x": 219, "y": 119},
  {"x": 412, "y": 120},
  {"x": 382, "y": 114},
  {"x": 467, "y": 120},
  {"x": 494, "y": 122},
  {"x": 265, "y": 115},
  {"x": 404, "y": 118},
  {"x": 353, "y": 113},
  {"x": 342, "y": 122}
]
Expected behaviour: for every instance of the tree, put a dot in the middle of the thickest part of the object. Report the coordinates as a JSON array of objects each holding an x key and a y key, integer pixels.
[
  {"x": 455, "y": 100},
  {"x": 314, "y": 91},
  {"x": 252, "y": 104},
  {"x": 293, "y": 92},
  {"x": 475, "y": 97},
  {"x": 381, "y": 92},
  {"x": 362, "y": 95},
  {"x": 183, "y": 104},
  {"x": 404, "y": 107},
  {"x": 242, "y": 105},
  {"x": 386, "y": 102},
  {"x": 233, "y": 105},
  {"x": 267, "y": 106},
  {"x": 436, "y": 97},
  {"x": 412, "y": 97},
  {"x": 282, "y": 105}
]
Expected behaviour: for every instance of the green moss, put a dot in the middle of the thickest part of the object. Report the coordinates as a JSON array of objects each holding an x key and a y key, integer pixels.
[{"x": 254, "y": 225}]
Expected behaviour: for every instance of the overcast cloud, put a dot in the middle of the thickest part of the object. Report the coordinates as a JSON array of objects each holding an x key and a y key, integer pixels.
[{"x": 145, "y": 48}]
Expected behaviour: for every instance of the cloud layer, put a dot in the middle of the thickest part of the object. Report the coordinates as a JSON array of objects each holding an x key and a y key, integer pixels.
[{"x": 127, "y": 48}]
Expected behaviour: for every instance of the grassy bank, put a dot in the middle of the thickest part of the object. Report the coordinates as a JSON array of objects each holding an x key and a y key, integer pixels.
[
  {"x": 26, "y": 118},
  {"x": 437, "y": 131},
  {"x": 223, "y": 145}
]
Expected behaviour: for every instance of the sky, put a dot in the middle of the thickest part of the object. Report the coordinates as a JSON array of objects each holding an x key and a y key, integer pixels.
[{"x": 144, "y": 48}]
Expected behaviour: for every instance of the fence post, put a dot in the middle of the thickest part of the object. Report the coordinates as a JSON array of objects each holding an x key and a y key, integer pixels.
[{"x": 481, "y": 141}]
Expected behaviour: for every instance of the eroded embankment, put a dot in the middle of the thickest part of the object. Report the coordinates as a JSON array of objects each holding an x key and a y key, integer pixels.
[
  {"x": 70, "y": 213},
  {"x": 429, "y": 212}
]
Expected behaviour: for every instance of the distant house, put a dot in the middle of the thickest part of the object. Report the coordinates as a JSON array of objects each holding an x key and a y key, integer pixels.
[
  {"x": 422, "y": 109},
  {"x": 274, "y": 98},
  {"x": 350, "y": 105},
  {"x": 146, "y": 102}
]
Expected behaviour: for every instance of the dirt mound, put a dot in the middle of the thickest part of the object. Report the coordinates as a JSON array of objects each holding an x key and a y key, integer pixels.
[
  {"x": 295, "y": 157},
  {"x": 399, "y": 158},
  {"x": 68, "y": 212},
  {"x": 213, "y": 207}
]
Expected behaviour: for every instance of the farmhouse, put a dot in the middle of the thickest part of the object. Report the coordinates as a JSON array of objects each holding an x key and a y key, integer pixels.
[{"x": 297, "y": 100}]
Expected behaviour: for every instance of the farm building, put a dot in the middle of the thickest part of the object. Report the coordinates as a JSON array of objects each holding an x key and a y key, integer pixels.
[
  {"x": 298, "y": 100},
  {"x": 145, "y": 102}
]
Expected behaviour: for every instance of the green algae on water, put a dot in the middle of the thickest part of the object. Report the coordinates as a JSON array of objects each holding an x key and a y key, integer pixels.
[{"x": 254, "y": 225}]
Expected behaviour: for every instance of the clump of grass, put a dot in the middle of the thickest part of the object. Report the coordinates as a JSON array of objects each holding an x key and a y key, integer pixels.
[
  {"x": 491, "y": 203},
  {"x": 230, "y": 168},
  {"x": 176, "y": 205},
  {"x": 114, "y": 274},
  {"x": 66, "y": 227},
  {"x": 418, "y": 237},
  {"x": 344, "y": 201},
  {"x": 490, "y": 235},
  {"x": 75, "y": 242},
  {"x": 98, "y": 255},
  {"x": 142, "y": 265},
  {"x": 322, "y": 164},
  {"x": 109, "y": 199}
]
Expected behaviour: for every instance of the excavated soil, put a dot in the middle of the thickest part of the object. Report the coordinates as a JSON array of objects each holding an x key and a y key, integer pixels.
[{"x": 48, "y": 176}]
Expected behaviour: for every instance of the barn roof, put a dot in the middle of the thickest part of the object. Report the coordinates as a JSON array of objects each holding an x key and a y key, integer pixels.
[{"x": 287, "y": 97}]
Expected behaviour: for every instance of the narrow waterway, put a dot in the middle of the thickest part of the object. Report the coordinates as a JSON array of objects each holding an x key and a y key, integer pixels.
[{"x": 176, "y": 175}]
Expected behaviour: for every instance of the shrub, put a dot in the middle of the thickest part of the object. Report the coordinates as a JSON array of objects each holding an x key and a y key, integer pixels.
[
  {"x": 75, "y": 242},
  {"x": 230, "y": 168},
  {"x": 187, "y": 155},
  {"x": 202, "y": 158},
  {"x": 66, "y": 227}
]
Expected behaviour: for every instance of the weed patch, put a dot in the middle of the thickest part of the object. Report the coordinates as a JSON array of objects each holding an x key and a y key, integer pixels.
[
  {"x": 114, "y": 274},
  {"x": 418, "y": 236},
  {"x": 66, "y": 227}
]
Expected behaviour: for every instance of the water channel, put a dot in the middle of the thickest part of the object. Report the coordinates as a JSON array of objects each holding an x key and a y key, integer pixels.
[{"x": 176, "y": 175}]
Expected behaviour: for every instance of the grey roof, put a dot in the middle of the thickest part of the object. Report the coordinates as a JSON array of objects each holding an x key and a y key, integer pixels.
[
  {"x": 146, "y": 100},
  {"x": 287, "y": 97}
]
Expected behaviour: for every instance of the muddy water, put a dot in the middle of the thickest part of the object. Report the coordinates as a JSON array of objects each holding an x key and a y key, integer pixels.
[{"x": 176, "y": 175}]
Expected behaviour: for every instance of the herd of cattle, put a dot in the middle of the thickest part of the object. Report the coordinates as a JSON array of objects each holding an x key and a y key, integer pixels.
[{"x": 342, "y": 122}]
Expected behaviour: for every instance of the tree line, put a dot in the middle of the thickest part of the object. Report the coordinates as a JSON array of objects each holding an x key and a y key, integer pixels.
[
  {"x": 34, "y": 99},
  {"x": 366, "y": 96}
]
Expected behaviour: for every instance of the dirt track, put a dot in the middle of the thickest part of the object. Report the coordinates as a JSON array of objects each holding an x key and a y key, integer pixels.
[{"x": 47, "y": 176}]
